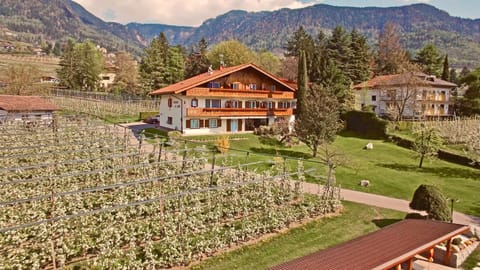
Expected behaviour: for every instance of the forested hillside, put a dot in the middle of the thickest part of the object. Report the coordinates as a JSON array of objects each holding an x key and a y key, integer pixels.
[{"x": 37, "y": 20}]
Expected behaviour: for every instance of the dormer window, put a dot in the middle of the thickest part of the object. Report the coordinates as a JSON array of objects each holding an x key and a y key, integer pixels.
[
  {"x": 236, "y": 85},
  {"x": 214, "y": 85}
]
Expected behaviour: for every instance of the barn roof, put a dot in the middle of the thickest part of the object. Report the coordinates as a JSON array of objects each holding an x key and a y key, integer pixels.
[
  {"x": 382, "y": 249},
  {"x": 209, "y": 76},
  {"x": 14, "y": 103}
]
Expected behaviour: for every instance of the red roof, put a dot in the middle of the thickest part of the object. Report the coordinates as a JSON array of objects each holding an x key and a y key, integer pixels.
[
  {"x": 382, "y": 249},
  {"x": 25, "y": 104},
  {"x": 399, "y": 79},
  {"x": 207, "y": 77}
]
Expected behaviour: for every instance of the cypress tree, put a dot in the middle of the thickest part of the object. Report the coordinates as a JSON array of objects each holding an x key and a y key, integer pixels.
[
  {"x": 302, "y": 85},
  {"x": 445, "y": 72}
]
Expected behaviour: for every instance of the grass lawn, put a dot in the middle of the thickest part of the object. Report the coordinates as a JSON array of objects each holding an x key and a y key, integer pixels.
[
  {"x": 392, "y": 170},
  {"x": 356, "y": 220}
]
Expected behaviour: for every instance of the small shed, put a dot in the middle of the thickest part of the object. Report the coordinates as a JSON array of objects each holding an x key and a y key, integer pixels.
[{"x": 25, "y": 108}]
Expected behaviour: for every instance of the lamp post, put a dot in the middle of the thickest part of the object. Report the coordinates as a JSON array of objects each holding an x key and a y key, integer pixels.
[{"x": 451, "y": 208}]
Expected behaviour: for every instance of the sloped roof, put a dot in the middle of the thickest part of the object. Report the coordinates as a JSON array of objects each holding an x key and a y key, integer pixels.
[
  {"x": 14, "y": 103},
  {"x": 207, "y": 77},
  {"x": 382, "y": 249},
  {"x": 400, "y": 79}
]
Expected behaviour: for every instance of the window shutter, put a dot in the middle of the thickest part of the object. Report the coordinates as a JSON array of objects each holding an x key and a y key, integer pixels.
[
  {"x": 257, "y": 103},
  {"x": 201, "y": 123},
  {"x": 219, "y": 122},
  {"x": 273, "y": 105},
  {"x": 288, "y": 105},
  {"x": 247, "y": 104},
  {"x": 239, "y": 104},
  {"x": 188, "y": 123},
  {"x": 207, "y": 124},
  {"x": 240, "y": 125},
  {"x": 229, "y": 122}
]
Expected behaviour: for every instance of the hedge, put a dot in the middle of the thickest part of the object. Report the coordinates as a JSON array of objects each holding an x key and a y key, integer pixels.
[
  {"x": 366, "y": 124},
  {"x": 145, "y": 115}
]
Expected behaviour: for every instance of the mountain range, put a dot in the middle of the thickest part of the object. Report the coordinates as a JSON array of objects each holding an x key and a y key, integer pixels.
[{"x": 419, "y": 24}]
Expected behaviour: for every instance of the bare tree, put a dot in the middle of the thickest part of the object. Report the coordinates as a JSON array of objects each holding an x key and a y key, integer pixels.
[
  {"x": 391, "y": 57},
  {"x": 23, "y": 80}
]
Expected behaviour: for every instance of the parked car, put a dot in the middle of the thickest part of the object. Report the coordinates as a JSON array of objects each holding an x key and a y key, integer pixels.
[{"x": 151, "y": 120}]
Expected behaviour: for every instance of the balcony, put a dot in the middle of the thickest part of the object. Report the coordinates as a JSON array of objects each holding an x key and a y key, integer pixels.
[
  {"x": 235, "y": 93},
  {"x": 222, "y": 112}
]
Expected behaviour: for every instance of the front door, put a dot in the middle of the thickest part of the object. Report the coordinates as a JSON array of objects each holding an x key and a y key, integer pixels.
[{"x": 234, "y": 125}]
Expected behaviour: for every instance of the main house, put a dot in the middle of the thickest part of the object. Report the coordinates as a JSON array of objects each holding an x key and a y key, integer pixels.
[
  {"x": 232, "y": 99},
  {"x": 422, "y": 96}
]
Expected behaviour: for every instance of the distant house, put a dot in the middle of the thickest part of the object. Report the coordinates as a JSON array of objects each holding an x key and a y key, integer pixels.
[
  {"x": 232, "y": 99},
  {"x": 425, "y": 96},
  {"x": 49, "y": 79},
  {"x": 107, "y": 79},
  {"x": 25, "y": 108}
]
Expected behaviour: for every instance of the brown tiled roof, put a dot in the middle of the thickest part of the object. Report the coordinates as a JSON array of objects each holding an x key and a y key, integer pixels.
[
  {"x": 382, "y": 249},
  {"x": 399, "y": 79},
  {"x": 207, "y": 77},
  {"x": 25, "y": 104}
]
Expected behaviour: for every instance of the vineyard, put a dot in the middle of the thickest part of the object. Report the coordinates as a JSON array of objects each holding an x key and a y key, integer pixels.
[
  {"x": 75, "y": 192},
  {"x": 459, "y": 132},
  {"x": 106, "y": 108}
]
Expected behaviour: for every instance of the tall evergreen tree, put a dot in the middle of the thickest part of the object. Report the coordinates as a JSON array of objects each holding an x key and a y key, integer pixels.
[
  {"x": 301, "y": 40},
  {"x": 153, "y": 66},
  {"x": 175, "y": 65},
  {"x": 446, "y": 69},
  {"x": 453, "y": 76},
  {"x": 319, "y": 55},
  {"x": 68, "y": 69},
  {"x": 197, "y": 61},
  {"x": 390, "y": 58},
  {"x": 361, "y": 58},
  {"x": 80, "y": 66},
  {"x": 430, "y": 60},
  {"x": 302, "y": 85},
  {"x": 339, "y": 51}
]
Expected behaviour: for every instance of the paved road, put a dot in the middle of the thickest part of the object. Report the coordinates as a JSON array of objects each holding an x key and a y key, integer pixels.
[{"x": 387, "y": 202}]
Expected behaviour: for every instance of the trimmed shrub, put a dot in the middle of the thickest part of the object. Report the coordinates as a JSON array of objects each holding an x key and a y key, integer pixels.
[
  {"x": 430, "y": 199},
  {"x": 366, "y": 124}
]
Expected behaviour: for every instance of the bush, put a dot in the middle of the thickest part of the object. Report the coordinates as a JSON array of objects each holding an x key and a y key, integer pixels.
[
  {"x": 366, "y": 124},
  {"x": 429, "y": 198},
  {"x": 456, "y": 241},
  {"x": 146, "y": 115},
  {"x": 222, "y": 144}
]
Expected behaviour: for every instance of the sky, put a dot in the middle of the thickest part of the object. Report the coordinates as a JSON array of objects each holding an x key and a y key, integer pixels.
[{"x": 194, "y": 12}]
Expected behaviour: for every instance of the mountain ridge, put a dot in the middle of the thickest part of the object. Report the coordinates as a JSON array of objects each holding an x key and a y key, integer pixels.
[{"x": 419, "y": 24}]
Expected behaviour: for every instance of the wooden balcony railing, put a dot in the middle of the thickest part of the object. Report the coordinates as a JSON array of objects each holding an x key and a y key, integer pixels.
[
  {"x": 220, "y": 112},
  {"x": 235, "y": 93}
]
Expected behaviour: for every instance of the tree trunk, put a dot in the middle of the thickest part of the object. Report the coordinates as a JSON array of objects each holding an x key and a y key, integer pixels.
[
  {"x": 314, "y": 150},
  {"x": 421, "y": 161}
]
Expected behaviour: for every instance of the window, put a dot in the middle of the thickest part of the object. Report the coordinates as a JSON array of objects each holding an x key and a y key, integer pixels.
[
  {"x": 212, "y": 123},
  {"x": 106, "y": 78},
  {"x": 273, "y": 88},
  {"x": 169, "y": 120},
  {"x": 194, "y": 103},
  {"x": 283, "y": 104},
  {"x": 252, "y": 86},
  {"x": 252, "y": 104},
  {"x": 170, "y": 102},
  {"x": 213, "y": 85},
  {"x": 194, "y": 123},
  {"x": 235, "y": 85},
  {"x": 213, "y": 103},
  {"x": 374, "y": 98}
]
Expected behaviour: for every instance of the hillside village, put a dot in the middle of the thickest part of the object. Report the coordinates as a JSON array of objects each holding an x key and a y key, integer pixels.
[{"x": 343, "y": 150}]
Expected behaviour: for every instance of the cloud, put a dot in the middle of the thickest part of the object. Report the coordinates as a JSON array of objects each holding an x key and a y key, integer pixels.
[{"x": 180, "y": 12}]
